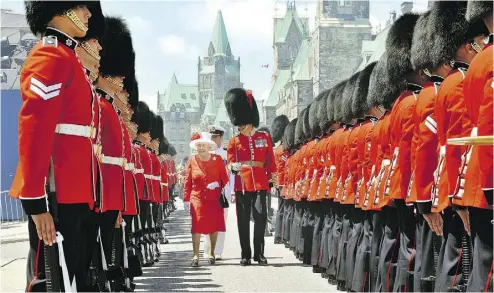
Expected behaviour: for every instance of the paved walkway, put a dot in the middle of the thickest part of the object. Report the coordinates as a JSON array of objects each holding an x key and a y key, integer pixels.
[{"x": 173, "y": 274}]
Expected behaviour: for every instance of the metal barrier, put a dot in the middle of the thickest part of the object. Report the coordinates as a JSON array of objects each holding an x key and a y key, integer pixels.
[{"x": 11, "y": 210}]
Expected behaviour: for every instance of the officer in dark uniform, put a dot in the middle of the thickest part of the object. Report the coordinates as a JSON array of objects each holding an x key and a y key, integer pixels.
[{"x": 251, "y": 157}]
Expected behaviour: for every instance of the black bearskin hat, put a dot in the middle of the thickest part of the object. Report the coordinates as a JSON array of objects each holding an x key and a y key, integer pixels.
[
  {"x": 164, "y": 145},
  {"x": 159, "y": 127},
  {"x": 449, "y": 30},
  {"x": 306, "y": 125},
  {"x": 422, "y": 44},
  {"x": 398, "y": 45},
  {"x": 381, "y": 91},
  {"x": 154, "y": 126},
  {"x": 289, "y": 135},
  {"x": 315, "y": 130},
  {"x": 40, "y": 13},
  {"x": 134, "y": 99},
  {"x": 241, "y": 107},
  {"x": 336, "y": 102},
  {"x": 143, "y": 118},
  {"x": 299, "y": 129},
  {"x": 96, "y": 24},
  {"x": 117, "y": 56},
  {"x": 346, "y": 103},
  {"x": 278, "y": 127},
  {"x": 171, "y": 151},
  {"x": 359, "y": 101},
  {"x": 477, "y": 10},
  {"x": 330, "y": 105},
  {"x": 322, "y": 111}
]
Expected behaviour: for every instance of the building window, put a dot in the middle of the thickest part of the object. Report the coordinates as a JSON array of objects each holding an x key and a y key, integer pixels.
[
  {"x": 183, "y": 96},
  {"x": 182, "y": 115},
  {"x": 193, "y": 96},
  {"x": 341, "y": 2}
]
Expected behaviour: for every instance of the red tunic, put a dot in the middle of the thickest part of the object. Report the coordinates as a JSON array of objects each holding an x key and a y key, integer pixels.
[
  {"x": 130, "y": 194},
  {"x": 111, "y": 172},
  {"x": 256, "y": 148},
  {"x": 144, "y": 186},
  {"x": 280, "y": 157},
  {"x": 206, "y": 211},
  {"x": 165, "y": 195},
  {"x": 385, "y": 151},
  {"x": 351, "y": 180},
  {"x": 364, "y": 165},
  {"x": 55, "y": 90},
  {"x": 375, "y": 157},
  {"x": 344, "y": 152},
  {"x": 156, "y": 179},
  {"x": 334, "y": 161}
]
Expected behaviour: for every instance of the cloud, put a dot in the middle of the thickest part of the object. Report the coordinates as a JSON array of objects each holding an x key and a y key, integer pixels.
[
  {"x": 177, "y": 46},
  {"x": 139, "y": 24}
]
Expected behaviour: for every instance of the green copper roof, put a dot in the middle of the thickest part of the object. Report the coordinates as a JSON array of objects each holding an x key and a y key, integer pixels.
[
  {"x": 378, "y": 47},
  {"x": 221, "y": 114},
  {"x": 301, "y": 65},
  {"x": 185, "y": 94},
  {"x": 282, "y": 27},
  {"x": 220, "y": 41},
  {"x": 281, "y": 80}
]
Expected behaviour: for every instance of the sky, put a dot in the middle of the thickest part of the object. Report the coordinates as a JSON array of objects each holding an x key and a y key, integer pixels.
[{"x": 169, "y": 36}]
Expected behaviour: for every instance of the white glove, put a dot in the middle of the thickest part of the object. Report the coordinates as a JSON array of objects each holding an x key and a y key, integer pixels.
[
  {"x": 213, "y": 185},
  {"x": 236, "y": 167},
  {"x": 187, "y": 206}
]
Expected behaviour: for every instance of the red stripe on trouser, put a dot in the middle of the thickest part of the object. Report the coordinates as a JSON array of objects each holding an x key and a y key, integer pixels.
[
  {"x": 388, "y": 275},
  {"x": 412, "y": 254},
  {"x": 365, "y": 281},
  {"x": 457, "y": 268},
  {"x": 489, "y": 277},
  {"x": 35, "y": 268}
]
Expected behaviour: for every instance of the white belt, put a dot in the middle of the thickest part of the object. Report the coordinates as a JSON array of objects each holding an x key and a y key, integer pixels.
[
  {"x": 129, "y": 166},
  {"x": 156, "y": 178},
  {"x": 164, "y": 184},
  {"x": 385, "y": 162},
  {"x": 442, "y": 151},
  {"x": 117, "y": 161},
  {"x": 147, "y": 176},
  {"x": 76, "y": 130},
  {"x": 332, "y": 167},
  {"x": 138, "y": 171}
]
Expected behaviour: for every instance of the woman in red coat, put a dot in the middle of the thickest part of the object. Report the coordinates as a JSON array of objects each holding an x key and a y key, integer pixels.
[{"x": 205, "y": 175}]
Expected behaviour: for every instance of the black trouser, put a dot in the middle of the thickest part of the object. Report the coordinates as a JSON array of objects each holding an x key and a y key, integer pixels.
[
  {"x": 255, "y": 202},
  {"x": 378, "y": 224},
  {"x": 287, "y": 219},
  {"x": 326, "y": 234},
  {"x": 107, "y": 226},
  {"x": 89, "y": 240},
  {"x": 317, "y": 232},
  {"x": 406, "y": 252},
  {"x": 145, "y": 215},
  {"x": 356, "y": 235},
  {"x": 70, "y": 223},
  {"x": 389, "y": 249},
  {"x": 481, "y": 231},
  {"x": 279, "y": 215}
]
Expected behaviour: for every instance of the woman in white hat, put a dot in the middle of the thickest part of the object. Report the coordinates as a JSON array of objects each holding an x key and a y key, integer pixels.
[{"x": 205, "y": 175}]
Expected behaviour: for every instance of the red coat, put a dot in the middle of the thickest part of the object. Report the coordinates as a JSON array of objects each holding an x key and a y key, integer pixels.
[
  {"x": 342, "y": 152},
  {"x": 55, "y": 90},
  {"x": 334, "y": 161},
  {"x": 280, "y": 157},
  {"x": 309, "y": 167},
  {"x": 111, "y": 174},
  {"x": 350, "y": 184},
  {"x": 144, "y": 186},
  {"x": 384, "y": 146},
  {"x": 364, "y": 164},
  {"x": 256, "y": 148},
  {"x": 375, "y": 156},
  {"x": 479, "y": 101},
  {"x": 426, "y": 149},
  {"x": 452, "y": 122},
  {"x": 318, "y": 157},
  {"x": 130, "y": 194},
  {"x": 206, "y": 211},
  {"x": 401, "y": 134},
  {"x": 165, "y": 193},
  {"x": 156, "y": 173}
]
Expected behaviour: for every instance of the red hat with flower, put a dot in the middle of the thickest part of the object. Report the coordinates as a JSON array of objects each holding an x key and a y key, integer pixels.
[{"x": 201, "y": 137}]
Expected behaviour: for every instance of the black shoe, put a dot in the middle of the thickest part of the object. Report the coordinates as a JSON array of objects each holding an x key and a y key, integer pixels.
[
  {"x": 341, "y": 286},
  {"x": 245, "y": 262},
  {"x": 332, "y": 280},
  {"x": 278, "y": 241},
  {"x": 194, "y": 263},
  {"x": 211, "y": 260},
  {"x": 317, "y": 269},
  {"x": 261, "y": 260},
  {"x": 324, "y": 275},
  {"x": 287, "y": 245}
]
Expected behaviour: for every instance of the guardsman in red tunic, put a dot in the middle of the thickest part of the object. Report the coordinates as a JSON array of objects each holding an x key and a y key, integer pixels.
[
  {"x": 476, "y": 185},
  {"x": 395, "y": 255},
  {"x": 280, "y": 156},
  {"x": 288, "y": 142},
  {"x": 156, "y": 131},
  {"x": 250, "y": 155},
  {"x": 142, "y": 169},
  {"x": 455, "y": 48},
  {"x": 56, "y": 132},
  {"x": 367, "y": 116}
]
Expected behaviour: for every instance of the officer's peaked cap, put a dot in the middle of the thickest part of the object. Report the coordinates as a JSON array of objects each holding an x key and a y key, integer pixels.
[
  {"x": 40, "y": 13},
  {"x": 278, "y": 127},
  {"x": 476, "y": 10},
  {"x": 322, "y": 111},
  {"x": 450, "y": 30},
  {"x": 422, "y": 44},
  {"x": 346, "y": 101},
  {"x": 359, "y": 102},
  {"x": 144, "y": 118},
  {"x": 117, "y": 55},
  {"x": 398, "y": 45},
  {"x": 241, "y": 107}
]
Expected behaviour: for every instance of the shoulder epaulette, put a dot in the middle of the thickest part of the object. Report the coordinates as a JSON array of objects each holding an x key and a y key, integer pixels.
[{"x": 50, "y": 41}]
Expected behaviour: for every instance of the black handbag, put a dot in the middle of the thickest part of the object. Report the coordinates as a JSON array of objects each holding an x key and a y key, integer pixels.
[{"x": 223, "y": 200}]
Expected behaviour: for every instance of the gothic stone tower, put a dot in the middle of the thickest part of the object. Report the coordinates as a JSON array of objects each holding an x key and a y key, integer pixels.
[
  {"x": 219, "y": 71},
  {"x": 341, "y": 26}
]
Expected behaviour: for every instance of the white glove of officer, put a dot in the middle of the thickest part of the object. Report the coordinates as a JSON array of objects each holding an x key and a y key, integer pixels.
[
  {"x": 236, "y": 167},
  {"x": 187, "y": 206},
  {"x": 213, "y": 185}
]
